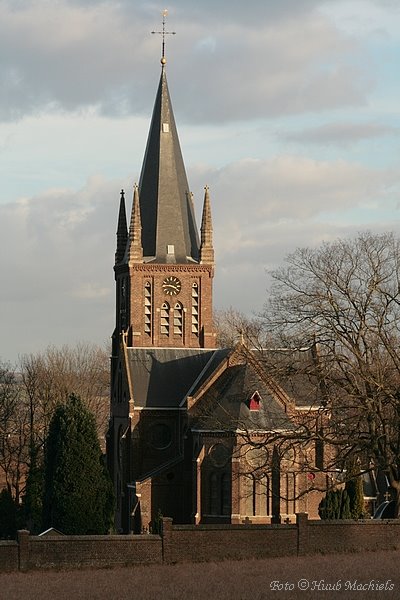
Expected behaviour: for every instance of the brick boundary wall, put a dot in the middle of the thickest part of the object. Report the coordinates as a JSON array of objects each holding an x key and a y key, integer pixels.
[
  {"x": 8, "y": 556},
  {"x": 197, "y": 543}
]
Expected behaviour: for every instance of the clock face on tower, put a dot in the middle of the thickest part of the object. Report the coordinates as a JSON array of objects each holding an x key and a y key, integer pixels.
[{"x": 171, "y": 285}]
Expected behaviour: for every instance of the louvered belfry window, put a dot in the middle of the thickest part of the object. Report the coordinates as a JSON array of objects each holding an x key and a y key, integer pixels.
[
  {"x": 195, "y": 309},
  {"x": 164, "y": 324},
  {"x": 178, "y": 319},
  {"x": 148, "y": 308}
]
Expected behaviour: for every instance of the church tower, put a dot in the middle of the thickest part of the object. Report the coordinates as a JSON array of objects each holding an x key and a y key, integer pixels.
[
  {"x": 163, "y": 272},
  {"x": 164, "y": 337}
]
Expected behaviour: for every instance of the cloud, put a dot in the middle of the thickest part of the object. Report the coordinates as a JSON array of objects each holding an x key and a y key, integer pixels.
[
  {"x": 253, "y": 191},
  {"x": 71, "y": 56},
  {"x": 340, "y": 133},
  {"x": 57, "y": 273},
  {"x": 57, "y": 280},
  {"x": 63, "y": 56},
  {"x": 242, "y": 81}
]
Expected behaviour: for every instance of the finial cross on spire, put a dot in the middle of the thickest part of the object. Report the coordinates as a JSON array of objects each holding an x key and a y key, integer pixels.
[{"x": 164, "y": 33}]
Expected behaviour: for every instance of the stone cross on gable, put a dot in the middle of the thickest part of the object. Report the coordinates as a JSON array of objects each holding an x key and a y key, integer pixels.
[{"x": 164, "y": 33}]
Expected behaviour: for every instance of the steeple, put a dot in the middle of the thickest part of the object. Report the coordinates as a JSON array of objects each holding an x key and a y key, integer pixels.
[
  {"x": 135, "y": 250},
  {"x": 164, "y": 282},
  {"x": 169, "y": 232},
  {"x": 122, "y": 231},
  {"x": 206, "y": 248}
]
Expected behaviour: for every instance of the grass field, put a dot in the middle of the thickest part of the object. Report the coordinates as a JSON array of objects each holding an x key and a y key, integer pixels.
[{"x": 245, "y": 580}]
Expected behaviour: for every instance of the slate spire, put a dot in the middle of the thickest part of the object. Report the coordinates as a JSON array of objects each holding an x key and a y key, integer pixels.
[
  {"x": 206, "y": 248},
  {"x": 169, "y": 231},
  {"x": 122, "y": 231}
]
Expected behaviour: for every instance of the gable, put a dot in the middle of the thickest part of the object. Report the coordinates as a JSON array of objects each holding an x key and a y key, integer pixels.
[{"x": 229, "y": 403}]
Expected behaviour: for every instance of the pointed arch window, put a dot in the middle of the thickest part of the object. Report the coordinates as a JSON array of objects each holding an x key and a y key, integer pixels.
[
  {"x": 123, "y": 298},
  {"x": 225, "y": 494},
  {"x": 220, "y": 494},
  {"x": 195, "y": 309},
  {"x": 119, "y": 384},
  {"x": 256, "y": 492},
  {"x": 164, "y": 323},
  {"x": 214, "y": 494},
  {"x": 178, "y": 319},
  {"x": 267, "y": 485},
  {"x": 290, "y": 500},
  {"x": 148, "y": 308}
]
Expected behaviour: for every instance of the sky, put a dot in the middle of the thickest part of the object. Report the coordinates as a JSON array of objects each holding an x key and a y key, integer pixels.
[{"x": 288, "y": 111}]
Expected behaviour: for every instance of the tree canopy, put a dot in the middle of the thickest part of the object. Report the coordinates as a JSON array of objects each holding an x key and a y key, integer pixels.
[
  {"x": 29, "y": 393},
  {"x": 344, "y": 298},
  {"x": 78, "y": 496}
]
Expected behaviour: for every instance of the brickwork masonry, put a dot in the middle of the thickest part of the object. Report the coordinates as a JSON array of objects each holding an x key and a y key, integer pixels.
[{"x": 196, "y": 543}]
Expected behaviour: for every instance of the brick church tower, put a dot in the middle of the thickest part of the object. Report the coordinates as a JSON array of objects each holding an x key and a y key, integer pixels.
[
  {"x": 163, "y": 272},
  {"x": 164, "y": 335}
]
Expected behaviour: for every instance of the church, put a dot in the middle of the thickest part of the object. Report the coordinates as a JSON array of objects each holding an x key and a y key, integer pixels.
[{"x": 188, "y": 419}]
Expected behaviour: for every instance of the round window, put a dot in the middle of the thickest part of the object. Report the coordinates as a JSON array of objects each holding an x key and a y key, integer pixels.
[
  {"x": 160, "y": 436},
  {"x": 257, "y": 457},
  {"x": 219, "y": 455}
]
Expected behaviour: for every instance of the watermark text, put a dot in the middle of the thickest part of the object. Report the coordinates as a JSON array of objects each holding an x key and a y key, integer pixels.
[{"x": 322, "y": 585}]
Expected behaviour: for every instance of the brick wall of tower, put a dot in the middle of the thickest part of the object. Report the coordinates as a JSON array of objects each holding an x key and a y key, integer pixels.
[{"x": 188, "y": 274}]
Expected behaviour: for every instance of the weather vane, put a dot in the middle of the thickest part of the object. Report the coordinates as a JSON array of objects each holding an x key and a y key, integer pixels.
[{"x": 164, "y": 33}]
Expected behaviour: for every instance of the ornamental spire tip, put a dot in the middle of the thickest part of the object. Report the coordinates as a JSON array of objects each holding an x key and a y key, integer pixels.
[{"x": 164, "y": 33}]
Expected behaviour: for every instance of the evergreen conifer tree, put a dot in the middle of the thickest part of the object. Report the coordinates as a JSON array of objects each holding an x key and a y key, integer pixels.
[
  {"x": 336, "y": 504},
  {"x": 78, "y": 494},
  {"x": 330, "y": 505},
  {"x": 345, "y": 512},
  {"x": 355, "y": 491},
  {"x": 8, "y": 515},
  {"x": 32, "y": 502}
]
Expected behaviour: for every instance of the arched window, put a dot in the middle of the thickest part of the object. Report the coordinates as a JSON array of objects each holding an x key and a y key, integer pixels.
[
  {"x": 148, "y": 308},
  {"x": 225, "y": 494},
  {"x": 123, "y": 295},
  {"x": 290, "y": 493},
  {"x": 178, "y": 319},
  {"x": 195, "y": 309},
  {"x": 119, "y": 445},
  {"x": 254, "y": 495},
  {"x": 119, "y": 384},
  {"x": 267, "y": 485},
  {"x": 220, "y": 494},
  {"x": 164, "y": 323},
  {"x": 214, "y": 494}
]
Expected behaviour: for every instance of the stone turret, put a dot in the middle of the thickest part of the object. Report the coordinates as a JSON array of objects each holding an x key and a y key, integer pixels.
[{"x": 206, "y": 247}]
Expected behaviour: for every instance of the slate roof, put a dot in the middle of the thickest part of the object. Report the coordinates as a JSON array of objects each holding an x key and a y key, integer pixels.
[
  {"x": 294, "y": 371},
  {"x": 166, "y": 206},
  {"x": 162, "y": 377},
  {"x": 227, "y": 403}
]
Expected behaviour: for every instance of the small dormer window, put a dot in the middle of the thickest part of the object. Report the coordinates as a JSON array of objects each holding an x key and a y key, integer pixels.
[
  {"x": 165, "y": 127},
  {"x": 254, "y": 402}
]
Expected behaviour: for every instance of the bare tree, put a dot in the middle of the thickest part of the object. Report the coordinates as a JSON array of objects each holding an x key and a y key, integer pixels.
[
  {"x": 232, "y": 325},
  {"x": 29, "y": 395},
  {"x": 50, "y": 377},
  {"x": 344, "y": 298},
  {"x": 14, "y": 430}
]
